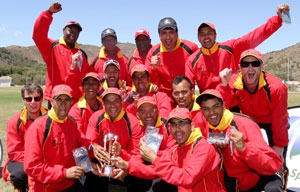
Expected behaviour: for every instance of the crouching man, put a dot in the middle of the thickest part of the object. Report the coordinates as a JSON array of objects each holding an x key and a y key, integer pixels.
[
  {"x": 194, "y": 164},
  {"x": 248, "y": 159},
  {"x": 49, "y": 142}
]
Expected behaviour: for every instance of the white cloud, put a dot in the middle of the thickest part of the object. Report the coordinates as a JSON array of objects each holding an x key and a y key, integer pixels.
[
  {"x": 17, "y": 33},
  {"x": 2, "y": 28}
]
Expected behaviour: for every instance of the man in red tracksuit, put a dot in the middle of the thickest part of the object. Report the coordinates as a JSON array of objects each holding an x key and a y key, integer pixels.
[
  {"x": 248, "y": 160},
  {"x": 148, "y": 114},
  {"x": 193, "y": 165},
  {"x": 50, "y": 140},
  {"x": 17, "y": 126},
  {"x": 267, "y": 96},
  {"x": 206, "y": 63},
  {"x": 113, "y": 119},
  {"x": 142, "y": 86},
  {"x": 184, "y": 96},
  {"x": 88, "y": 103},
  {"x": 166, "y": 60},
  {"x": 59, "y": 55},
  {"x": 110, "y": 51},
  {"x": 143, "y": 45}
]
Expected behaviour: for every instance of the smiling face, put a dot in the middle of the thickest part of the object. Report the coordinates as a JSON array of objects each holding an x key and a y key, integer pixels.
[
  {"x": 62, "y": 105},
  {"x": 181, "y": 130},
  {"x": 90, "y": 87},
  {"x": 71, "y": 34},
  {"x": 207, "y": 37},
  {"x": 112, "y": 75},
  {"x": 148, "y": 114},
  {"x": 183, "y": 94},
  {"x": 141, "y": 81},
  {"x": 33, "y": 106},
  {"x": 112, "y": 105},
  {"x": 251, "y": 74},
  {"x": 212, "y": 110},
  {"x": 169, "y": 38}
]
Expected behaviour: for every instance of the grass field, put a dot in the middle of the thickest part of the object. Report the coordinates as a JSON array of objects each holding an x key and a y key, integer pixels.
[{"x": 11, "y": 103}]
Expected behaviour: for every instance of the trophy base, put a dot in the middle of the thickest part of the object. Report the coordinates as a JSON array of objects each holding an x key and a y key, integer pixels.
[{"x": 107, "y": 171}]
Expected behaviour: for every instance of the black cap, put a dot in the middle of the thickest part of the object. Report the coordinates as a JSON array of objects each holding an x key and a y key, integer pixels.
[
  {"x": 108, "y": 32},
  {"x": 167, "y": 22}
]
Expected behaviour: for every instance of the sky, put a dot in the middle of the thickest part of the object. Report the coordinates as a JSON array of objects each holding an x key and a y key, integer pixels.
[{"x": 232, "y": 19}]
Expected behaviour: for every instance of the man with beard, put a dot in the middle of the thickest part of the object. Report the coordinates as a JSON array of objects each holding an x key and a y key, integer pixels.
[
  {"x": 143, "y": 45},
  {"x": 17, "y": 126},
  {"x": 59, "y": 55},
  {"x": 206, "y": 63}
]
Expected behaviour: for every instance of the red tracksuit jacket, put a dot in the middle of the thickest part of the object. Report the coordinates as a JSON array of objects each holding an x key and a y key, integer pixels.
[
  {"x": 268, "y": 105},
  {"x": 125, "y": 126},
  {"x": 16, "y": 128},
  {"x": 205, "y": 65},
  {"x": 163, "y": 103},
  {"x": 172, "y": 63},
  {"x": 82, "y": 112},
  {"x": 193, "y": 167},
  {"x": 136, "y": 166},
  {"x": 99, "y": 60},
  {"x": 47, "y": 156},
  {"x": 257, "y": 158},
  {"x": 135, "y": 59},
  {"x": 58, "y": 58}
]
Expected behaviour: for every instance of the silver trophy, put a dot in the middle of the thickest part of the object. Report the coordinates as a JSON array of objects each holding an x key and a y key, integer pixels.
[{"x": 108, "y": 167}]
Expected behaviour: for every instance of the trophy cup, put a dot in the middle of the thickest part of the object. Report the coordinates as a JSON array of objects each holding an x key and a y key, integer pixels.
[{"x": 108, "y": 167}]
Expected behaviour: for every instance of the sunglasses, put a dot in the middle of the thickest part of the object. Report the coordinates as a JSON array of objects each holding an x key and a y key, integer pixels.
[
  {"x": 245, "y": 64},
  {"x": 111, "y": 61},
  {"x": 29, "y": 99}
]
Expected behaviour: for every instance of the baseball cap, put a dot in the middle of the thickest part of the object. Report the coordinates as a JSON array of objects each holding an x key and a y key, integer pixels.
[
  {"x": 108, "y": 32},
  {"x": 206, "y": 24},
  {"x": 111, "y": 90},
  {"x": 61, "y": 90},
  {"x": 142, "y": 32},
  {"x": 252, "y": 52},
  {"x": 111, "y": 62},
  {"x": 91, "y": 74},
  {"x": 167, "y": 22},
  {"x": 212, "y": 92},
  {"x": 146, "y": 99},
  {"x": 180, "y": 113},
  {"x": 69, "y": 23},
  {"x": 139, "y": 68}
]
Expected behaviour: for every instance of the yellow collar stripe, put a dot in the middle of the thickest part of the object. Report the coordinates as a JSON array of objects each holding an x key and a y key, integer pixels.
[
  {"x": 103, "y": 55},
  {"x": 62, "y": 41},
  {"x": 164, "y": 49},
  {"x": 211, "y": 50},
  {"x": 54, "y": 117},
  {"x": 225, "y": 121},
  {"x": 238, "y": 84},
  {"x": 24, "y": 114},
  {"x": 120, "y": 116},
  {"x": 195, "y": 134}
]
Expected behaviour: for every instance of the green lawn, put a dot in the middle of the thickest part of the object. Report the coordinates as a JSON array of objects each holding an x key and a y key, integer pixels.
[{"x": 11, "y": 103}]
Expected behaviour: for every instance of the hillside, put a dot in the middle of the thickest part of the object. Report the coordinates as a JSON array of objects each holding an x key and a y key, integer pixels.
[{"x": 23, "y": 60}]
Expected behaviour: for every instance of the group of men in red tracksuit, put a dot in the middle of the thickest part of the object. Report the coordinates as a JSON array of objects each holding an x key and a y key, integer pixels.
[{"x": 203, "y": 145}]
